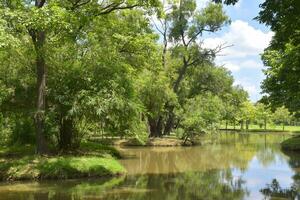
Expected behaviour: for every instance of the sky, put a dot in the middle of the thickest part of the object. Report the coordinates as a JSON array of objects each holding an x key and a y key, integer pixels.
[{"x": 248, "y": 39}]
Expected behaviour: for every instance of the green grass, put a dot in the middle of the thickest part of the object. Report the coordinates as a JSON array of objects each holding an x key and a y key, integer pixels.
[
  {"x": 61, "y": 167},
  {"x": 94, "y": 148},
  {"x": 16, "y": 150},
  {"x": 270, "y": 127},
  {"x": 90, "y": 160},
  {"x": 291, "y": 144}
]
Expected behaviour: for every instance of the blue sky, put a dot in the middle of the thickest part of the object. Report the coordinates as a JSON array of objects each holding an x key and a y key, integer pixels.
[{"x": 248, "y": 38}]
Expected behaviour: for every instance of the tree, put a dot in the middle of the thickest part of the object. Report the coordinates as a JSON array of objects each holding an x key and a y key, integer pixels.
[
  {"x": 200, "y": 114},
  {"x": 281, "y": 58},
  {"x": 282, "y": 116},
  {"x": 233, "y": 104},
  {"x": 47, "y": 21},
  {"x": 247, "y": 114},
  {"x": 263, "y": 115},
  {"x": 187, "y": 25}
]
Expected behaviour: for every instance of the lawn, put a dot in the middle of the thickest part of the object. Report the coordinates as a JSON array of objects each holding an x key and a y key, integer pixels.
[{"x": 270, "y": 127}]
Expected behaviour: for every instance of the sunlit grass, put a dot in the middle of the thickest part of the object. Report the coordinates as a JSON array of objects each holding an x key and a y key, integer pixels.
[
  {"x": 270, "y": 127},
  {"x": 89, "y": 160},
  {"x": 62, "y": 167}
]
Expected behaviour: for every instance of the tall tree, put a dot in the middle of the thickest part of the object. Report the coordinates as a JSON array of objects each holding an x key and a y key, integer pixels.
[
  {"x": 45, "y": 20},
  {"x": 282, "y": 116},
  {"x": 281, "y": 58},
  {"x": 188, "y": 25},
  {"x": 263, "y": 115}
]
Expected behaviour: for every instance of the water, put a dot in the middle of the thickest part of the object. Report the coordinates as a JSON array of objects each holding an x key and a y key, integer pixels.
[{"x": 232, "y": 166}]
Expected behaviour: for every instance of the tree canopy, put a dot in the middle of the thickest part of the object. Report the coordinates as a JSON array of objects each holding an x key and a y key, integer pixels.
[{"x": 281, "y": 58}]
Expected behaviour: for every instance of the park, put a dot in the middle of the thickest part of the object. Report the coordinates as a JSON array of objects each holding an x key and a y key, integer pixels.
[{"x": 149, "y": 99}]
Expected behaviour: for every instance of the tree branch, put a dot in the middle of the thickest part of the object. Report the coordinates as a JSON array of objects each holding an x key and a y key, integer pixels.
[
  {"x": 197, "y": 34},
  {"x": 40, "y": 3},
  {"x": 77, "y": 4},
  {"x": 156, "y": 27},
  {"x": 117, "y": 7}
]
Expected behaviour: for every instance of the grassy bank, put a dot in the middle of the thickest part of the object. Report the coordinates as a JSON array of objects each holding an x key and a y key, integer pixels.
[
  {"x": 291, "y": 144},
  {"x": 270, "y": 128},
  {"x": 90, "y": 160}
]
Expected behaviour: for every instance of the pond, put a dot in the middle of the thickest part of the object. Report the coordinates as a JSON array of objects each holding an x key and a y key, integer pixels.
[{"x": 230, "y": 166}]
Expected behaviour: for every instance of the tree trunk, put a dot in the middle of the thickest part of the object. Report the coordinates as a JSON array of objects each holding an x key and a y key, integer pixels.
[
  {"x": 265, "y": 122},
  {"x": 247, "y": 124},
  {"x": 234, "y": 124},
  {"x": 155, "y": 127},
  {"x": 170, "y": 122},
  {"x": 226, "y": 124},
  {"x": 38, "y": 38},
  {"x": 66, "y": 131},
  {"x": 171, "y": 116},
  {"x": 242, "y": 125},
  {"x": 283, "y": 126},
  {"x": 164, "y": 54}
]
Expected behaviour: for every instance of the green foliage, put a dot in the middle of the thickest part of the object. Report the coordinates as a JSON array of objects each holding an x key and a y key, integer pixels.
[
  {"x": 200, "y": 114},
  {"x": 281, "y": 58},
  {"x": 282, "y": 116},
  {"x": 106, "y": 72},
  {"x": 263, "y": 114}
]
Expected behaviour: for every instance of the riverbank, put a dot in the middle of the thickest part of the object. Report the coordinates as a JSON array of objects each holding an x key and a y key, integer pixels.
[
  {"x": 256, "y": 128},
  {"x": 90, "y": 160},
  {"x": 291, "y": 144},
  {"x": 151, "y": 142}
]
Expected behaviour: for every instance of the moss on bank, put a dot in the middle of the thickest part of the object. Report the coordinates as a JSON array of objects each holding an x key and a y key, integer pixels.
[
  {"x": 90, "y": 160},
  {"x": 61, "y": 167},
  {"x": 291, "y": 144}
]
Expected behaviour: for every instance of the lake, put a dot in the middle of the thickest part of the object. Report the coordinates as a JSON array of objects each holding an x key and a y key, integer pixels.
[{"x": 229, "y": 166}]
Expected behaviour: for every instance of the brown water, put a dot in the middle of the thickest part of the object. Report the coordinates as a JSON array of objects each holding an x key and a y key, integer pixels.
[{"x": 232, "y": 166}]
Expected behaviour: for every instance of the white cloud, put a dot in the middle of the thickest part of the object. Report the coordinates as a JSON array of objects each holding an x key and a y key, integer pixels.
[
  {"x": 242, "y": 58},
  {"x": 235, "y": 66},
  {"x": 246, "y": 40},
  {"x": 252, "y": 89},
  {"x": 232, "y": 67},
  {"x": 202, "y": 3}
]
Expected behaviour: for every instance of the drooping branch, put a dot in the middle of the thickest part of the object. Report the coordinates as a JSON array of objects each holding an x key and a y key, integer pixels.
[
  {"x": 40, "y": 3},
  {"x": 209, "y": 53},
  {"x": 194, "y": 37},
  {"x": 105, "y": 9},
  {"x": 108, "y": 10},
  {"x": 156, "y": 26},
  {"x": 79, "y": 3}
]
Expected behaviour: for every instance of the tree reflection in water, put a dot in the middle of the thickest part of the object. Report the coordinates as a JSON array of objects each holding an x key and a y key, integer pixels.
[
  {"x": 213, "y": 184},
  {"x": 209, "y": 185},
  {"x": 274, "y": 191}
]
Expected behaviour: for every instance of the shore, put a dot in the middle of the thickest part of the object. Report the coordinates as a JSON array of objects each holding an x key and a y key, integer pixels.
[
  {"x": 291, "y": 144},
  {"x": 91, "y": 160}
]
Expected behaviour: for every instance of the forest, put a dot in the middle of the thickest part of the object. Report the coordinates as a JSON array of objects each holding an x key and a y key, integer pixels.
[{"x": 76, "y": 75}]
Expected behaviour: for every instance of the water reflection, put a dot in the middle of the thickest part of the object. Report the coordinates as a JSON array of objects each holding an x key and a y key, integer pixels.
[
  {"x": 274, "y": 191},
  {"x": 226, "y": 151},
  {"x": 231, "y": 166},
  {"x": 212, "y": 184}
]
